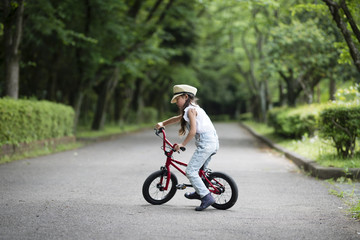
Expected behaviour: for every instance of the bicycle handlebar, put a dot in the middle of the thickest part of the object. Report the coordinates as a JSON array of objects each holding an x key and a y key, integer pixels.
[
  {"x": 181, "y": 148},
  {"x": 158, "y": 131},
  {"x": 162, "y": 130}
]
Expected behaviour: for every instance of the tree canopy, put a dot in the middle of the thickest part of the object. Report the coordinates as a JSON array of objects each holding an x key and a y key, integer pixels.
[{"x": 117, "y": 61}]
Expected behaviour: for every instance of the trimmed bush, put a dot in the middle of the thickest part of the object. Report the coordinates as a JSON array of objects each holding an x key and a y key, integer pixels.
[
  {"x": 24, "y": 121},
  {"x": 341, "y": 123},
  {"x": 295, "y": 122}
]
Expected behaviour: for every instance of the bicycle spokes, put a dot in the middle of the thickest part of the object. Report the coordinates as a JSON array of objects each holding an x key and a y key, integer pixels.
[
  {"x": 157, "y": 188},
  {"x": 216, "y": 187}
]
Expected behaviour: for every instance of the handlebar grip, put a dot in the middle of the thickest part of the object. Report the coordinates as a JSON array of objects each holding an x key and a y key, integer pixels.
[
  {"x": 182, "y": 149},
  {"x": 158, "y": 131}
]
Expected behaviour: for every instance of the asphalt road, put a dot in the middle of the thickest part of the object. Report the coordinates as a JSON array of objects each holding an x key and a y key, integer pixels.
[{"x": 95, "y": 193}]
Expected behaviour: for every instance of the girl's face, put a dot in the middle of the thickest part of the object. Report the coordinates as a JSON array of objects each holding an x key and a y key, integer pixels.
[{"x": 180, "y": 101}]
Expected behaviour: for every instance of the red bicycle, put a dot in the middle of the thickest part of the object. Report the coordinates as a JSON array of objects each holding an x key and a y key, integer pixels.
[{"x": 161, "y": 185}]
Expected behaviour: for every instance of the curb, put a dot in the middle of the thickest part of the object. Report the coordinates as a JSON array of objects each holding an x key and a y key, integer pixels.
[
  {"x": 11, "y": 149},
  {"x": 308, "y": 165}
]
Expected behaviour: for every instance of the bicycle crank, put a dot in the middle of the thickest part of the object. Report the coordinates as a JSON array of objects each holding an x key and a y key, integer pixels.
[{"x": 183, "y": 186}]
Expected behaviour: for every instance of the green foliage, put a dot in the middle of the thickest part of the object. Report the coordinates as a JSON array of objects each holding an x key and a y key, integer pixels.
[
  {"x": 341, "y": 122},
  {"x": 300, "y": 48},
  {"x": 320, "y": 9},
  {"x": 348, "y": 94},
  {"x": 108, "y": 131},
  {"x": 355, "y": 209},
  {"x": 316, "y": 148},
  {"x": 345, "y": 57},
  {"x": 338, "y": 121},
  {"x": 51, "y": 18},
  {"x": 29, "y": 120},
  {"x": 143, "y": 115},
  {"x": 148, "y": 115},
  {"x": 336, "y": 193},
  {"x": 221, "y": 88},
  {"x": 295, "y": 122},
  {"x": 221, "y": 118},
  {"x": 231, "y": 50}
]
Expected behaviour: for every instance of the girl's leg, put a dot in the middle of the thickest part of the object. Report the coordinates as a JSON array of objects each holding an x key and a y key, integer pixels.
[
  {"x": 192, "y": 172},
  {"x": 206, "y": 147},
  {"x": 206, "y": 163}
]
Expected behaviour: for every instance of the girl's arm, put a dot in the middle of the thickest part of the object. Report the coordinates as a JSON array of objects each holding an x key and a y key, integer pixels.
[
  {"x": 169, "y": 121},
  {"x": 192, "y": 117}
]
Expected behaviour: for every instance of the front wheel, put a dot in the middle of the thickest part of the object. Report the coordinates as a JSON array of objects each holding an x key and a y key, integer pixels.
[
  {"x": 225, "y": 192},
  {"x": 153, "y": 187}
]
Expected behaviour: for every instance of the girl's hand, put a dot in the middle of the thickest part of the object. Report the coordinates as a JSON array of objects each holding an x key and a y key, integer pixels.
[
  {"x": 159, "y": 125},
  {"x": 178, "y": 146}
]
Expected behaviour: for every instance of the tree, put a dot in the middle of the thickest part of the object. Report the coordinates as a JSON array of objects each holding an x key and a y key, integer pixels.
[
  {"x": 117, "y": 60},
  {"x": 57, "y": 34},
  {"x": 342, "y": 15},
  {"x": 238, "y": 48},
  {"x": 142, "y": 30},
  {"x": 13, "y": 11},
  {"x": 301, "y": 53}
]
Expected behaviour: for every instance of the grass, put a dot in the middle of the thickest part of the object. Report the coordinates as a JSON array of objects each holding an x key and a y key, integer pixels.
[
  {"x": 83, "y": 132},
  {"x": 355, "y": 210},
  {"x": 336, "y": 193},
  {"x": 314, "y": 148},
  {"x": 348, "y": 195},
  {"x": 40, "y": 152},
  {"x": 86, "y": 132}
]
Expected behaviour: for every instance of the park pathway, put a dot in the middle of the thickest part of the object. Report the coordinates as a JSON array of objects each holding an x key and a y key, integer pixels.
[{"x": 95, "y": 193}]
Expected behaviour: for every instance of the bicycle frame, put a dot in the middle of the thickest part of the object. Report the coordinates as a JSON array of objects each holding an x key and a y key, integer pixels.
[{"x": 172, "y": 162}]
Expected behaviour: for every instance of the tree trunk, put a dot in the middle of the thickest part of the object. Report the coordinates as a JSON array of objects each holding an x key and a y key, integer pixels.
[
  {"x": 83, "y": 82},
  {"x": 99, "y": 118},
  {"x": 332, "y": 89},
  {"x": 13, "y": 19},
  {"x": 53, "y": 79},
  {"x": 77, "y": 106},
  {"x": 117, "y": 104},
  {"x": 263, "y": 101},
  {"x": 255, "y": 107},
  {"x": 290, "y": 87},
  {"x": 282, "y": 96},
  {"x": 106, "y": 90},
  {"x": 135, "y": 102},
  {"x": 342, "y": 25}
]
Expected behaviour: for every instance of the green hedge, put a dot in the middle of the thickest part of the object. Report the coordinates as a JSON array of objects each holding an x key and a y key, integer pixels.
[
  {"x": 338, "y": 121},
  {"x": 24, "y": 121},
  {"x": 295, "y": 122},
  {"x": 341, "y": 123}
]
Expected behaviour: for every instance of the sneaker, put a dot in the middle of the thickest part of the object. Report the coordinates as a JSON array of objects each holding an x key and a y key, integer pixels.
[
  {"x": 206, "y": 201},
  {"x": 192, "y": 195}
]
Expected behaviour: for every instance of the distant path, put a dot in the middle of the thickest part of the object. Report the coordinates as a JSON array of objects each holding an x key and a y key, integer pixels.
[{"x": 95, "y": 193}]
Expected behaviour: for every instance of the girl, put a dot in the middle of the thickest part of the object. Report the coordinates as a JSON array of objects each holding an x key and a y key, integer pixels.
[{"x": 199, "y": 126}]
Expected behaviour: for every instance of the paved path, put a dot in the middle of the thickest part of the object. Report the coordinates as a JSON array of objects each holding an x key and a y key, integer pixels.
[{"x": 95, "y": 193}]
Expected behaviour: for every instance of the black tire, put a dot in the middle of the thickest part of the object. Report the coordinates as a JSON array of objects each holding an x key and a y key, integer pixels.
[
  {"x": 229, "y": 191},
  {"x": 152, "y": 189}
]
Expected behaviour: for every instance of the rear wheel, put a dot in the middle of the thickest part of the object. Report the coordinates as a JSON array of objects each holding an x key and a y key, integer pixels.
[
  {"x": 153, "y": 187},
  {"x": 225, "y": 192}
]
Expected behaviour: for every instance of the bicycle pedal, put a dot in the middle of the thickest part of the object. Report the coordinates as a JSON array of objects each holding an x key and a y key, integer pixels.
[{"x": 181, "y": 186}]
